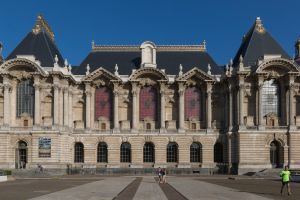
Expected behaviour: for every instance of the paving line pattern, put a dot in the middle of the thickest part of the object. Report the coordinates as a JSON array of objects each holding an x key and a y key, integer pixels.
[{"x": 99, "y": 190}]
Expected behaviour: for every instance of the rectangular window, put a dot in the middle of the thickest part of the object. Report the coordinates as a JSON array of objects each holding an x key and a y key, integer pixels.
[{"x": 44, "y": 147}]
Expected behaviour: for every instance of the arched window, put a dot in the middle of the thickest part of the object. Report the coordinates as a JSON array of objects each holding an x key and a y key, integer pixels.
[
  {"x": 196, "y": 152},
  {"x": 276, "y": 154},
  {"x": 78, "y": 152},
  {"x": 218, "y": 153},
  {"x": 172, "y": 152},
  {"x": 270, "y": 97},
  {"x": 25, "y": 97},
  {"x": 192, "y": 103},
  {"x": 149, "y": 152},
  {"x": 148, "y": 103},
  {"x": 103, "y": 103},
  {"x": 102, "y": 152},
  {"x": 125, "y": 152}
]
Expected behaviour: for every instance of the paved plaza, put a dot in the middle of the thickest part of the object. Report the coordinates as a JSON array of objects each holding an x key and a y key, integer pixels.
[{"x": 144, "y": 187}]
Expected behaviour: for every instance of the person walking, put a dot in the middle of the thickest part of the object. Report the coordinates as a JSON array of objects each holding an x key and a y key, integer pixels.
[
  {"x": 285, "y": 180},
  {"x": 163, "y": 173},
  {"x": 159, "y": 170}
]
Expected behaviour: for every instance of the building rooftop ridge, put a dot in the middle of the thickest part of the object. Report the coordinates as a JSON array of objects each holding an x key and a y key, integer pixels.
[{"x": 163, "y": 47}]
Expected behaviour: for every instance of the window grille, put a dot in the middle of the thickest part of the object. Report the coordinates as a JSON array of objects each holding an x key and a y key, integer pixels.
[
  {"x": 196, "y": 152},
  {"x": 125, "y": 152},
  {"x": 102, "y": 152},
  {"x": 270, "y": 101},
  {"x": 172, "y": 152},
  {"x": 79, "y": 153},
  {"x": 148, "y": 152},
  {"x": 25, "y": 98}
]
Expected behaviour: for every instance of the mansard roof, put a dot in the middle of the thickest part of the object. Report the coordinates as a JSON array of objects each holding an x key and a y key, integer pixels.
[
  {"x": 168, "y": 57},
  {"x": 257, "y": 43},
  {"x": 40, "y": 43}
]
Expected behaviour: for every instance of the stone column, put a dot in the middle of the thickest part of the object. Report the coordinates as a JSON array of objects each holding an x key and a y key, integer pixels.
[
  {"x": 13, "y": 103},
  {"x": 56, "y": 104},
  {"x": 61, "y": 107},
  {"x": 88, "y": 106},
  {"x": 230, "y": 107},
  {"x": 135, "y": 114},
  {"x": 209, "y": 109},
  {"x": 6, "y": 109},
  {"x": 291, "y": 103},
  {"x": 181, "y": 90},
  {"x": 116, "y": 108},
  {"x": 93, "y": 89},
  {"x": 37, "y": 116},
  {"x": 70, "y": 104},
  {"x": 66, "y": 106},
  {"x": 260, "y": 113},
  {"x": 229, "y": 135},
  {"x": 241, "y": 103},
  {"x": 162, "y": 107}
]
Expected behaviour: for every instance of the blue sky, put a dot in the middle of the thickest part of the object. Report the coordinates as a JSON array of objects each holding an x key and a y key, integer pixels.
[{"x": 222, "y": 23}]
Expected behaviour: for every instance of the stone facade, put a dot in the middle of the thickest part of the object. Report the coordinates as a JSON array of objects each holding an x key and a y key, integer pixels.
[{"x": 66, "y": 110}]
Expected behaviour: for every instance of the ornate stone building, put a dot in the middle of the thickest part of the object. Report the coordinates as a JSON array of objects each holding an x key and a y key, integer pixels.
[{"x": 139, "y": 107}]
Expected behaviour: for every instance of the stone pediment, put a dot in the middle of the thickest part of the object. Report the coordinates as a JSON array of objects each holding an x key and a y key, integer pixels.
[
  {"x": 278, "y": 67},
  {"x": 99, "y": 75},
  {"x": 147, "y": 72},
  {"x": 25, "y": 65},
  {"x": 197, "y": 73}
]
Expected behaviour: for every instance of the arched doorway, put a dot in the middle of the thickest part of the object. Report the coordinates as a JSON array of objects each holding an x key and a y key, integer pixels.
[
  {"x": 276, "y": 154},
  {"x": 21, "y": 155}
]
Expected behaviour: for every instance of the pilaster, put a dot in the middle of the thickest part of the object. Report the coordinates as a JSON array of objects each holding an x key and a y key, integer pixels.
[
  {"x": 209, "y": 115},
  {"x": 87, "y": 105},
  {"x": 181, "y": 90},
  {"x": 162, "y": 107}
]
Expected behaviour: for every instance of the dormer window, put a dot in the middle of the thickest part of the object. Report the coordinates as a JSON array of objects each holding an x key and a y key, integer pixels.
[{"x": 148, "y": 54}]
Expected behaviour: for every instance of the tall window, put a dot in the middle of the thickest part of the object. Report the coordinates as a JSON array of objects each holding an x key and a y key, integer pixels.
[
  {"x": 148, "y": 152},
  {"x": 218, "y": 153},
  {"x": 270, "y": 102},
  {"x": 25, "y": 97},
  {"x": 172, "y": 152},
  {"x": 196, "y": 152},
  {"x": 102, "y": 152},
  {"x": 148, "y": 103},
  {"x": 125, "y": 152},
  {"x": 192, "y": 103},
  {"x": 103, "y": 103},
  {"x": 79, "y": 153}
]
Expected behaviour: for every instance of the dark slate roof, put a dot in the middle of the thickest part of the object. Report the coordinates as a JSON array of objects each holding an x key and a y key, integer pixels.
[
  {"x": 128, "y": 59},
  {"x": 257, "y": 43},
  {"x": 41, "y": 46}
]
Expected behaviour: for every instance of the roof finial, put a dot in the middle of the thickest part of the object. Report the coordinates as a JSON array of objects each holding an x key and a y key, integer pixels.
[
  {"x": 259, "y": 27},
  {"x": 70, "y": 68},
  {"x": 66, "y": 63},
  {"x": 231, "y": 62},
  {"x": 180, "y": 70},
  {"x": 56, "y": 59},
  {"x": 241, "y": 63},
  {"x": 208, "y": 69},
  {"x": 87, "y": 69},
  {"x": 227, "y": 70},
  {"x": 204, "y": 45},
  {"x": 116, "y": 70},
  {"x": 93, "y": 44},
  {"x": 42, "y": 25}
]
